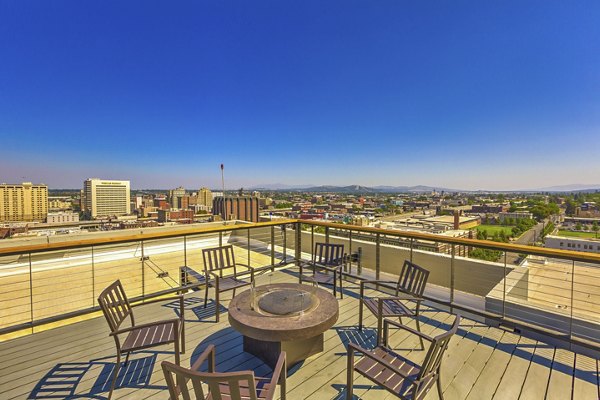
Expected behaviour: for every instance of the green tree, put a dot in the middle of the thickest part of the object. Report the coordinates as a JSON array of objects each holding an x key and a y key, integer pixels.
[
  {"x": 595, "y": 228},
  {"x": 578, "y": 226}
]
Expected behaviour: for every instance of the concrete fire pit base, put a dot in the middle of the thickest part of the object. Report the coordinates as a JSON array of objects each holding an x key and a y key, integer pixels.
[{"x": 300, "y": 336}]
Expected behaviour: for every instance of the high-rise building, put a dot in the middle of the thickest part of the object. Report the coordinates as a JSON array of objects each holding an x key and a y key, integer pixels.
[
  {"x": 176, "y": 196},
  {"x": 105, "y": 198},
  {"x": 236, "y": 207},
  {"x": 205, "y": 197},
  {"x": 23, "y": 202}
]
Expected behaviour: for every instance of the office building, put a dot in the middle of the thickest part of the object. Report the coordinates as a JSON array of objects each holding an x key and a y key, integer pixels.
[
  {"x": 106, "y": 198},
  {"x": 205, "y": 197},
  {"x": 589, "y": 245},
  {"x": 236, "y": 207},
  {"x": 176, "y": 198},
  {"x": 23, "y": 202},
  {"x": 62, "y": 217}
]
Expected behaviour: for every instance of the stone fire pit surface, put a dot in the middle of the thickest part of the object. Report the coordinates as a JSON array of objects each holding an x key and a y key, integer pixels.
[{"x": 283, "y": 328}]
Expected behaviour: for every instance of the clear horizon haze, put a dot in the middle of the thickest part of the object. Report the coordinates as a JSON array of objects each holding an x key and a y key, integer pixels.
[{"x": 466, "y": 95}]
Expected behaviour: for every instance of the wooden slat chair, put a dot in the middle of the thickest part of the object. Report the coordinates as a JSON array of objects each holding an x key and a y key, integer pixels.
[
  {"x": 116, "y": 308},
  {"x": 242, "y": 385},
  {"x": 410, "y": 287},
  {"x": 325, "y": 266},
  {"x": 397, "y": 374},
  {"x": 218, "y": 264}
]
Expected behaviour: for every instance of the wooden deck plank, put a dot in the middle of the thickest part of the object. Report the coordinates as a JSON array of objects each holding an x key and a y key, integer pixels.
[
  {"x": 516, "y": 371},
  {"x": 536, "y": 382},
  {"x": 491, "y": 374},
  {"x": 560, "y": 386},
  {"x": 585, "y": 382},
  {"x": 322, "y": 376},
  {"x": 466, "y": 377}
]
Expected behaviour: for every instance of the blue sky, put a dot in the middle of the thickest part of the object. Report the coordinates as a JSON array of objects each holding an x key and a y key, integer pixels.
[{"x": 473, "y": 95}]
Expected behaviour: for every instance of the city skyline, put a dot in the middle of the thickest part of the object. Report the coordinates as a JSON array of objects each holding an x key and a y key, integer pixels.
[{"x": 464, "y": 96}]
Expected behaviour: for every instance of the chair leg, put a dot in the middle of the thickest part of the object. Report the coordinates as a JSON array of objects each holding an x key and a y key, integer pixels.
[
  {"x": 419, "y": 329},
  {"x": 217, "y": 305},
  {"x": 182, "y": 337},
  {"x": 341, "y": 287},
  {"x": 115, "y": 374},
  {"x": 439, "y": 385},
  {"x": 350, "y": 377},
  {"x": 360, "y": 314},
  {"x": 127, "y": 358},
  {"x": 379, "y": 327},
  {"x": 206, "y": 296}
]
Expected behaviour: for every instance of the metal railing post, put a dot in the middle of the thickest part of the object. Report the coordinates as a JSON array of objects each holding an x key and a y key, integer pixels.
[
  {"x": 452, "y": 277},
  {"x": 504, "y": 289},
  {"x": 377, "y": 256},
  {"x": 220, "y": 239},
  {"x": 298, "y": 254},
  {"x": 30, "y": 292},
  {"x": 327, "y": 234},
  {"x": 412, "y": 241},
  {"x": 185, "y": 251},
  {"x": 312, "y": 237},
  {"x": 272, "y": 248},
  {"x": 571, "y": 306},
  {"x": 248, "y": 247},
  {"x": 143, "y": 270},
  {"x": 93, "y": 279},
  {"x": 284, "y": 230}
]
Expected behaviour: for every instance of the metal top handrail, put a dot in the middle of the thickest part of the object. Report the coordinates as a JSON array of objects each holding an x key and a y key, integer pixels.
[
  {"x": 486, "y": 244},
  {"x": 39, "y": 248}
]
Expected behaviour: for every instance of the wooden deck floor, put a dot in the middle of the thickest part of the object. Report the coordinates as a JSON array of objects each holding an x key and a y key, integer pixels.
[{"x": 75, "y": 361}]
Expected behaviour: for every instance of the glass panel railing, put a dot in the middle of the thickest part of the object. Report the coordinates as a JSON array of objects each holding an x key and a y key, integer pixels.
[
  {"x": 15, "y": 290},
  {"x": 62, "y": 282},
  {"x": 121, "y": 261}
]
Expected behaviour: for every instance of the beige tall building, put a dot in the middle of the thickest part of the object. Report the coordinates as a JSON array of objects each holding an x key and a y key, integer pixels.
[
  {"x": 24, "y": 202},
  {"x": 105, "y": 198},
  {"x": 205, "y": 197}
]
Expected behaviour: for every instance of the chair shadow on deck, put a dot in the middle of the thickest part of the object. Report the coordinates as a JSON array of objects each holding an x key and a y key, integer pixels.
[
  {"x": 196, "y": 306},
  {"x": 230, "y": 355},
  {"x": 63, "y": 380}
]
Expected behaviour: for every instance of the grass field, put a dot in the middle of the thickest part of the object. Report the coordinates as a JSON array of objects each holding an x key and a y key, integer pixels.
[
  {"x": 491, "y": 229},
  {"x": 577, "y": 234}
]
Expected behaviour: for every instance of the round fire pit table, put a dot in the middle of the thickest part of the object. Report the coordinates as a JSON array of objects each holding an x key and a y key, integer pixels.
[{"x": 286, "y": 317}]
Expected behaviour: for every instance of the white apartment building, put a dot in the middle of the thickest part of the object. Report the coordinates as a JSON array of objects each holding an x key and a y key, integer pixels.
[
  {"x": 23, "y": 202},
  {"x": 60, "y": 217},
  {"x": 572, "y": 243},
  {"x": 105, "y": 198}
]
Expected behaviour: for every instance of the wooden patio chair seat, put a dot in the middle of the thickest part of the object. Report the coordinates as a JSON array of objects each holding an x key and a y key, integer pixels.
[
  {"x": 325, "y": 266},
  {"x": 222, "y": 273},
  {"x": 116, "y": 309},
  {"x": 410, "y": 286},
  {"x": 396, "y": 373},
  {"x": 149, "y": 336},
  {"x": 239, "y": 385}
]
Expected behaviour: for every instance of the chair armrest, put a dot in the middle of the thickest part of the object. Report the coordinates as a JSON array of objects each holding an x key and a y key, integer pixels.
[
  {"x": 209, "y": 352},
  {"x": 366, "y": 353},
  {"x": 174, "y": 321},
  {"x": 364, "y": 282},
  {"x": 397, "y": 324},
  {"x": 279, "y": 374},
  {"x": 337, "y": 268},
  {"x": 158, "y": 300}
]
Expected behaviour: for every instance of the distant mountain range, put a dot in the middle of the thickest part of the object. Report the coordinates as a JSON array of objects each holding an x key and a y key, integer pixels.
[
  {"x": 352, "y": 188},
  {"x": 414, "y": 189}
]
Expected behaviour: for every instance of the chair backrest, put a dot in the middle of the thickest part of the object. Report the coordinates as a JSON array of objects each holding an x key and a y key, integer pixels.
[
  {"x": 218, "y": 259},
  {"x": 328, "y": 254},
  {"x": 115, "y": 305},
  {"x": 438, "y": 346},
  {"x": 235, "y": 385},
  {"x": 412, "y": 279}
]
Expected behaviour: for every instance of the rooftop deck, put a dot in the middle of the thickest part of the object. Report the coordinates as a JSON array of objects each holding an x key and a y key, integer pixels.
[{"x": 481, "y": 363}]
